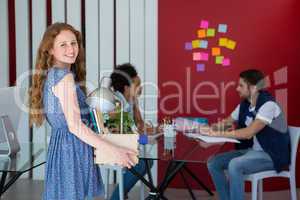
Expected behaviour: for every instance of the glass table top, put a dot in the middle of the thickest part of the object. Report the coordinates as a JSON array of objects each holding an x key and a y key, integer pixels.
[{"x": 180, "y": 148}]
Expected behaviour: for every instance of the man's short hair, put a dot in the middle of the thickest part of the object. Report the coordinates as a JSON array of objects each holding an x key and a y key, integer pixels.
[
  {"x": 253, "y": 77},
  {"x": 122, "y": 76}
]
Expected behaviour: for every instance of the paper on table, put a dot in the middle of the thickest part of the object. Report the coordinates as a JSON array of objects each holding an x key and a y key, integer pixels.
[
  {"x": 211, "y": 139},
  {"x": 183, "y": 124}
]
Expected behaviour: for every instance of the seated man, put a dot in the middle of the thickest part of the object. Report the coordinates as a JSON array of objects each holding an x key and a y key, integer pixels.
[
  {"x": 263, "y": 132},
  {"x": 126, "y": 84},
  {"x": 142, "y": 126}
]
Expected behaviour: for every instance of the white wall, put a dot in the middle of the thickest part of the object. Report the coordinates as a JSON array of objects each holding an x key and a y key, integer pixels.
[
  {"x": 4, "y": 80},
  {"x": 38, "y": 28},
  {"x": 58, "y": 10},
  {"x": 22, "y": 55}
]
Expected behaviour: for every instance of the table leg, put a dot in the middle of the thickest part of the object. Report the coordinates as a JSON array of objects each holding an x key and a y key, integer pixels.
[
  {"x": 154, "y": 192},
  {"x": 2, "y": 182},
  {"x": 10, "y": 182},
  {"x": 147, "y": 183},
  {"x": 187, "y": 185},
  {"x": 197, "y": 180},
  {"x": 148, "y": 170},
  {"x": 173, "y": 169}
]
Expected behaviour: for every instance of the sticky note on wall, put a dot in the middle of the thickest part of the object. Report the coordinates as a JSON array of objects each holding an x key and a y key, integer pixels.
[
  {"x": 204, "y": 24},
  {"x": 210, "y": 32},
  {"x": 200, "y": 67},
  {"x": 223, "y": 42},
  {"x": 203, "y": 44},
  {"x": 215, "y": 51},
  {"x": 201, "y": 33},
  {"x": 196, "y": 56},
  {"x": 219, "y": 59},
  {"x": 188, "y": 46},
  {"x": 195, "y": 44},
  {"x": 222, "y": 28},
  {"x": 203, "y": 56},
  {"x": 226, "y": 62},
  {"x": 231, "y": 44}
]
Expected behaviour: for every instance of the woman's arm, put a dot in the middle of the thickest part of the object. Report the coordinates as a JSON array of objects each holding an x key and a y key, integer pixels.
[{"x": 65, "y": 91}]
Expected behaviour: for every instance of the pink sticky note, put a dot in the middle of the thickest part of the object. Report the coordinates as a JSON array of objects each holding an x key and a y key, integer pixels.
[
  {"x": 226, "y": 62},
  {"x": 204, "y": 24},
  {"x": 204, "y": 56},
  {"x": 196, "y": 56}
]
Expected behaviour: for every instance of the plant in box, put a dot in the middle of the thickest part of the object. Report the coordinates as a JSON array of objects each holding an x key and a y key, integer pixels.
[
  {"x": 128, "y": 139},
  {"x": 113, "y": 121},
  {"x": 103, "y": 101}
]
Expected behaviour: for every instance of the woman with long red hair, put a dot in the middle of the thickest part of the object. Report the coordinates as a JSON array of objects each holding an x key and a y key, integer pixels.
[{"x": 58, "y": 95}]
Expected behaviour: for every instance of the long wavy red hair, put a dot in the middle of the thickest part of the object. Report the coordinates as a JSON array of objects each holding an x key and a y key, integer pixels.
[{"x": 44, "y": 61}]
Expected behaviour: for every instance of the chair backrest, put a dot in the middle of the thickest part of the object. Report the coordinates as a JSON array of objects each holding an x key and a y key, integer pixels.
[
  {"x": 294, "y": 135},
  {"x": 11, "y": 138}
]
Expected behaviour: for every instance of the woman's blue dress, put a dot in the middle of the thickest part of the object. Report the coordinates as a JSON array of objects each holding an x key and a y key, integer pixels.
[{"x": 70, "y": 170}]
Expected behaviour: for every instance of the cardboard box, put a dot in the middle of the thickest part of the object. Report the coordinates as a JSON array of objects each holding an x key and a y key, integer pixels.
[{"x": 129, "y": 141}]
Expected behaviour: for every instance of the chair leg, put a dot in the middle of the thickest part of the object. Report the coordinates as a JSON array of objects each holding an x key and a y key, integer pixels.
[
  {"x": 260, "y": 189},
  {"x": 254, "y": 190},
  {"x": 121, "y": 183},
  {"x": 142, "y": 191},
  {"x": 293, "y": 187},
  {"x": 106, "y": 182}
]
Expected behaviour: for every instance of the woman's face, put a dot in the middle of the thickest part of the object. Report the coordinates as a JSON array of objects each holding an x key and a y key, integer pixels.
[{"x": 65, "y": 49}]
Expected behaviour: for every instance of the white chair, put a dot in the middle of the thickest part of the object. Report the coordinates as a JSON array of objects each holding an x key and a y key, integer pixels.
[
  {"x": 106, "y": 172},
  {"x": 257, "y": 178},
  {"x": 119, "y": 172}
]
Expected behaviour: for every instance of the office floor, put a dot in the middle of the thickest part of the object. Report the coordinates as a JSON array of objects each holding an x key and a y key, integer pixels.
[{"x": 25, "y": 189}]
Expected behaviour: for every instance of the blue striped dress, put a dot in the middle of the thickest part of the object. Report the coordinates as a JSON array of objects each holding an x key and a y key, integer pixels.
[{"x": 70, "y": 170}]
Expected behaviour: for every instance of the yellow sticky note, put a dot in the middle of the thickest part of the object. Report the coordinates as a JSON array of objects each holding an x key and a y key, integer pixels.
[
  {"x": 201, "y": 33},
  {"x": 223, "y": 42},
  {"x": 195, "y": 44},
  {"x": 231, "y": 44},
  {"x": 219, "y": 59},
  {"x": 215, "y": 51},
  {"x": 210, "y": 32}
]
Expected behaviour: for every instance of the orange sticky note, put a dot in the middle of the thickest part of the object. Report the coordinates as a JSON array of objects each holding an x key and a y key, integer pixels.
[
  {"x": 201, "y": 33},
  {"x": 195, "y": 44},
  {"x": 231, "y": 44},
  {"x": 215, "y": 51},
  {"x": 223, "y": 42}
]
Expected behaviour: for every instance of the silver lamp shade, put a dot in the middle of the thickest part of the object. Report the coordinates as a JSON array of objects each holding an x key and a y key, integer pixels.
[{"x": 102, "y": 99}]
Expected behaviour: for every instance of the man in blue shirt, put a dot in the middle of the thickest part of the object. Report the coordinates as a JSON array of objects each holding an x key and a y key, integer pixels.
[{"x": 263, "y": 132}]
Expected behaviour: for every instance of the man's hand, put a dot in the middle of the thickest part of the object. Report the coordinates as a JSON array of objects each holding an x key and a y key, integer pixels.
[{"x": 206, "y": 130}]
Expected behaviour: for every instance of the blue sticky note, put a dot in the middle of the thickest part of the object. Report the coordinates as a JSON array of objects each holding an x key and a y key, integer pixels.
[
  {"x": 222, "y": 28},
  {"x": 203, "y": 44},
  {"x": 200, "y": 67},
  {"x": 188, "y": 46}
]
